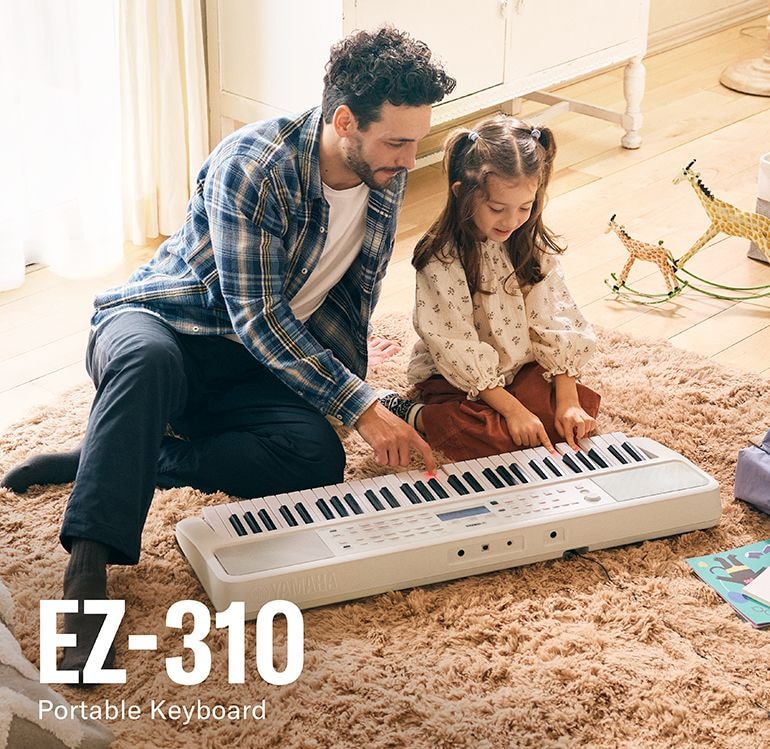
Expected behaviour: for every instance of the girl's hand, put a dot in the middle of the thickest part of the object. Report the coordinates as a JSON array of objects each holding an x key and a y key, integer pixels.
[
  {"x": 573, "y": 423},
  {"x": 526, "y": 429}
]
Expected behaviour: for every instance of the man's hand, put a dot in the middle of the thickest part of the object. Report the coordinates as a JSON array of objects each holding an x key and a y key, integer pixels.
[
  {"x": 381, "y": 349},
  {"x": 391, "y": 438}
]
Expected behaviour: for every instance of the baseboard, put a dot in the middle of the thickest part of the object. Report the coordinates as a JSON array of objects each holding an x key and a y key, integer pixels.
[{"x": 739, "y": 12}]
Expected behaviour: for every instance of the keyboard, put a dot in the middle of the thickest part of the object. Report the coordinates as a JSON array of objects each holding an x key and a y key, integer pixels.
[{"x": 340, "y": 542}]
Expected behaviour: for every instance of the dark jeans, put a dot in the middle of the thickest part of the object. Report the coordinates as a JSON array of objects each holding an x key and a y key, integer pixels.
[{"x": 244, "y": 432}]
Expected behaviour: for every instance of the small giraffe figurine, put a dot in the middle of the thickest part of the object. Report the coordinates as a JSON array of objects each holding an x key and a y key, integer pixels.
[
  {"x": 642, "y": 251},
  {"x": 725, "y": 218}
]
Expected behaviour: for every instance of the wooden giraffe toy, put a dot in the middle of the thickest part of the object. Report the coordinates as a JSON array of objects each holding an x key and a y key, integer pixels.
[
  {"x": 725, "y": 218},
  {"x": 638, "y": 250}
]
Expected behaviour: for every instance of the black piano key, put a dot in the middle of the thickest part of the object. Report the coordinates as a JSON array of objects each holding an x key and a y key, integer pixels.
[
  {"x": 491, "y": 476},
  {"x": 389, "y": 498},
  {"x": 267, "y": 520},
  {"x": 518, "y": 473},
  {"x": 353, "y": 505},
  {"x": 551, "y": 466},
  {"x": 619, "y": 455},
  {"x": 457, "y": 485},
  {"x": 598, "y": 459},
  {"x": 320, "y": 503},
  {"x": 570, "y": 461},
  {"x": 252, "y": 522},
  {"x": 307, "y": 518},
  {"x": 534, "y": 465},
  {"x": 410, "y": 494},
  {"x": 438, "y": 490},
  {"x": 424, "y": 491},
  {"x": 472, "y": 481},
  {"x": 235, "y": 521},
  {"x": 581, "y": 456},
  {"x": 374, "y": 500},
  {"x": 505, "y": 475},
  {"x": 341, "y": 509},
  {"x": 287, "y": 516},
  {"x": 632, "y": 452}
]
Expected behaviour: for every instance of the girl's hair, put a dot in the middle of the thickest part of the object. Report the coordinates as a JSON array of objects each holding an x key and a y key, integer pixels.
[{"x": 510, "y": 149}]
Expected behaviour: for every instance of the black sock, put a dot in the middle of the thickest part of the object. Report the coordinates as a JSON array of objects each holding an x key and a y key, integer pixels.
[
  {"x": 85, "y": 578},
  {"x": 49, "y": 468}
]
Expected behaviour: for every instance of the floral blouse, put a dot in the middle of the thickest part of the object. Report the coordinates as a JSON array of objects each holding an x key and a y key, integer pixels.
[{"x": 482, "y": 341}]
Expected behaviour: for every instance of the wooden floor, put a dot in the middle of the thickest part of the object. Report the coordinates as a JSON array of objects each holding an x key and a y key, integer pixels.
[{"x": 688, "y": 114}]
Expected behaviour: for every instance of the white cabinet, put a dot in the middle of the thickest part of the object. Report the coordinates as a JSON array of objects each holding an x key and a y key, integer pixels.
[{"x": 267, "y": 57}]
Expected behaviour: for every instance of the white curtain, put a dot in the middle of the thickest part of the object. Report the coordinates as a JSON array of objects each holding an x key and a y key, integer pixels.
[{"x": 103, "y": 127}]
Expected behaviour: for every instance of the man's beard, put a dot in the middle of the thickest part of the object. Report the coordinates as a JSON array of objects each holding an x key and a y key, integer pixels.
[{"x": 356, "y": 163}]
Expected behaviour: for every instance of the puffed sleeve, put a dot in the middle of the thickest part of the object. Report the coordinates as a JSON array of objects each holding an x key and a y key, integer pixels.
[
  {"x": 562, "y": 339},
  {"x": 443, "y": 318}
]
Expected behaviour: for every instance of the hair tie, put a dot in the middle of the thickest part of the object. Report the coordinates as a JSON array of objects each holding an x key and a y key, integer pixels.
[
  {"x": 473, "y": 136},
  {"x": 535, "y": 133}
]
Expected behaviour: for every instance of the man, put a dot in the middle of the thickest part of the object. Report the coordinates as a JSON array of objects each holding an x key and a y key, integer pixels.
[{"x": 218, "y": 361}]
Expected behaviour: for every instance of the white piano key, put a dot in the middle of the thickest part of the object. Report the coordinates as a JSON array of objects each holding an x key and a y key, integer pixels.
[
  {"x": 442, "y": 476},
  {"x": 518, "y": 459},
  {"x": 476, "y": 467},
  {"x": 541, "y": 453},
  {"x": 308, "y": 497},
  {"x": 589, "y": 444},
  {"x": 214, "y": 518},
  {"x": 620, "y": 438}
]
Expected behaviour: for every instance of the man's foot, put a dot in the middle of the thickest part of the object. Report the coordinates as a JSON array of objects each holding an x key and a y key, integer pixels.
[
  {"x": 405, "y": 409},
  {"x": 84, "y": 579},
  {"x": 49, "y": 468},
  {"x": 380, "y": 349}
]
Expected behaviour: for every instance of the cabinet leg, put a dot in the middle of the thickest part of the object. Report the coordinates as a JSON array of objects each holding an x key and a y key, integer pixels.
[
  {"x": 512, "y": 106},
  {"x": 633, "y": 89}
]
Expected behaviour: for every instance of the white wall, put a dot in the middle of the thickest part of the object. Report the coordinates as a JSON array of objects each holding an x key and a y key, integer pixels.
[{"x": 674, "y": 22}]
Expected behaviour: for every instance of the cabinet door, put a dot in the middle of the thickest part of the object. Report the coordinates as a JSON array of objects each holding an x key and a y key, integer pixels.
[
  {"x": 468, "y": 37},
  {"x": 549, "y": 33},
  {"x": 274, "y": 52}
]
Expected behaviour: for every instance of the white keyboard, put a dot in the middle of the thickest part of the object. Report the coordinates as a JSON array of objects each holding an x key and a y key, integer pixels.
[{"x": 349, "y": 540}]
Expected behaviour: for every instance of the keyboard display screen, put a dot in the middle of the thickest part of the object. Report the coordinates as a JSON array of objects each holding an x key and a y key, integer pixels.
[{"x": 466, "y": 512}]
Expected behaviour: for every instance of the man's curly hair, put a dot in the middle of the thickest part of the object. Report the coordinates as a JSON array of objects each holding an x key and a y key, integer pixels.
[{"x": 366, "y": 69}]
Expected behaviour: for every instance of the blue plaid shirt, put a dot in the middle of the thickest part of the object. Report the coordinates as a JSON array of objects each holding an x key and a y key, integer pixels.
[{"x": 255, "y": 229}]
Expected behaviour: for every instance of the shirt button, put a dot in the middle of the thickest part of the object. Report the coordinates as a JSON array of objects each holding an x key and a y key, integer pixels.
[
  {"x": 304, "y": 271},
  {"x": 339, "y": 416},
  {"x": 195, "y": 328},
  {"x": 323, "y": 230}
]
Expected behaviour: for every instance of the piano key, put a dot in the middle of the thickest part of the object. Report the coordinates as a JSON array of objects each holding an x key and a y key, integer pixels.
[
  {"x": 535, "y": 463},
  {"x": 219, "y": 525},
  {"x": 585, "y": 460},
  {"x": 438, "y": 488},
  {"x": 424, "y": 491},
  {"x": 570, "y": 460},
  {"x": 455, "y": 482},
  {"x": 470, "y": 479},
  {"x": 270, "y": 510},
  {"x": 476, "y": 469},
  {"x": 493, "y": 478},
  {"x": 517, "y": 465},
  {"x": 614, "y": 442},
  {"x": 353, "y": 504},
  {"x": 235, "y": 521},
  {"x": 630, "y": 449},
  {"x": 287, "y": 516},
  {"x": 324, "y": 507},
  {"x": 374, "y": 500},
  {"x": 303, "y": 513},
  {"x": 410, "y": 493},
  {"x": 339, "y": 507},
  {"x": 251, "y": 522},
  {"x": 307, "y": 498},
  {"x": 506, "y": 476},
  {"x": 599, "y": 444}
]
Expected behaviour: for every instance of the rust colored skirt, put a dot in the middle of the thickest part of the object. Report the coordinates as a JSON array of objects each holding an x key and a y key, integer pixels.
[{"x": 464, "y": 429}]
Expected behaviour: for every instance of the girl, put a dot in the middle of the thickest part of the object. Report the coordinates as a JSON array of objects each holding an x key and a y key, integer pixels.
[{"x": 502, "y": 342}]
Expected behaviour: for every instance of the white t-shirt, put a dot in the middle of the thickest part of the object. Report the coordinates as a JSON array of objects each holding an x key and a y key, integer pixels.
[{"x": 345, "y": 235}]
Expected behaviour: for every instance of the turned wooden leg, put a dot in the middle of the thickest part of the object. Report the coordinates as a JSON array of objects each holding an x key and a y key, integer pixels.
[{"x": 633, "y": 88}]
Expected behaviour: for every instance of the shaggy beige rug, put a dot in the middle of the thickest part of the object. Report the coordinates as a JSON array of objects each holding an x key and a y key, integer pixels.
[{"x": 624, "y": 648}]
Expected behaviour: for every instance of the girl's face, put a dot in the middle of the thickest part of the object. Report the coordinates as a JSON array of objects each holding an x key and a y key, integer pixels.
[{"x": 507, "y": 205}]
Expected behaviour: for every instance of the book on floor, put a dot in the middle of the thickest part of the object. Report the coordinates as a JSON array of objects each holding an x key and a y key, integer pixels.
[{"x": 729, "y": 572}]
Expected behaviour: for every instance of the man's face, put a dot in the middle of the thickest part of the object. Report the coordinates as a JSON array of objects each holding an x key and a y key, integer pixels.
[{"x": 386, "y": 147}]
